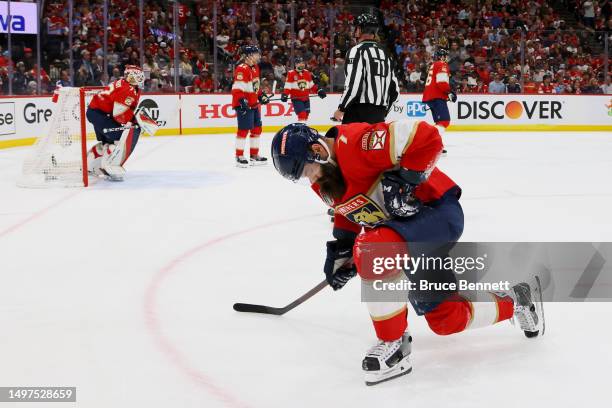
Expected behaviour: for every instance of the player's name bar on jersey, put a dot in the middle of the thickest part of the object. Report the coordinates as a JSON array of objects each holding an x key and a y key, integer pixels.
[{"x": 568, "y": 271}]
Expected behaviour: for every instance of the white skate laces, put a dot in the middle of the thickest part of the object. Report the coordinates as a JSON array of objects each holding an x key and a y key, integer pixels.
[{"x": 387, "y": 360}]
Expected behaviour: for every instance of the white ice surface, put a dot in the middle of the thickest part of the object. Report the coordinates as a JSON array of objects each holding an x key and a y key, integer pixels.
[{"x": 125, "y": 290}]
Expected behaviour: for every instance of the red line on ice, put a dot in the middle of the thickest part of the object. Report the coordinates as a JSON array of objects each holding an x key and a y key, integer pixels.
[
  {"x": 37, "y": 214},
  {"x": 154, "y": 325},
  {"x": 57, "y": 203}
]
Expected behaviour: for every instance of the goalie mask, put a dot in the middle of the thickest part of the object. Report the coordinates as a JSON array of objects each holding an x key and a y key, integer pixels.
[{"x": 134, "y": 75}]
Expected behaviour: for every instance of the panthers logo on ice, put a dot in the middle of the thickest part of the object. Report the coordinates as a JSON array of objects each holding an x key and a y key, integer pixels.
[{"x": 362, "y": 210}]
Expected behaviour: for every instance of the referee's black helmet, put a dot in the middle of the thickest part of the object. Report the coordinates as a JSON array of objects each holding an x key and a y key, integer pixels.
[{"x": 368, "y": 23}]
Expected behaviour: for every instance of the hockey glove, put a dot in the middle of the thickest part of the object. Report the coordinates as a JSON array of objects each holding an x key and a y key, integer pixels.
[
  {"x": 264, "y": 99},
  {"x": 146, "y": 123},
  {"x": 321, "y": 93},
  {"x": 284, "y": 97},
  {"x": 243, "y": 107},
  {"x": 339, "y": 267},
  {"x": 399, "y": 196},
  {"x": 452, "y": 96}
]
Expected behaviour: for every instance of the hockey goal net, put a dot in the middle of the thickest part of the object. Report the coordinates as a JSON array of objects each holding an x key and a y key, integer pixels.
[{"x": 59, "y": 158}]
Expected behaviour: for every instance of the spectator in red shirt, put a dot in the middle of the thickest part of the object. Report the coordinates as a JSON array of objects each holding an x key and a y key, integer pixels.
[
  {"x": 483, "y": 73},
  {"x": 203, "y": 83},
  {"x": 546, "y": 87},
  {"x": 481, "y": 87}
]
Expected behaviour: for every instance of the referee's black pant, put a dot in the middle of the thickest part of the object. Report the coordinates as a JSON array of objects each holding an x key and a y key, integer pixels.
[{"x": 364, "y": 112}]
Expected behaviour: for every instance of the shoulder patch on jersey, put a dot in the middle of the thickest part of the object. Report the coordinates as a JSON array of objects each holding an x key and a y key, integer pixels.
[
  {"x": 374, "y": 140},
  {"x": 361, "y": 210}
]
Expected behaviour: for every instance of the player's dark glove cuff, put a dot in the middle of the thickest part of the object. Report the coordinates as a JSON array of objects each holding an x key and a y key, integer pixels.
[
  {"x": 341, "y": 277},
  {"x": 242, "y": 107},
  {"x": 339, "y": 267},
  {"x": 452, "y": 96},
  {"x": 321, "y": 93},
  {"x": 284, "y": 97},
  {"x": 399, "y": 195},
  {"x": 264, "y": 99}
]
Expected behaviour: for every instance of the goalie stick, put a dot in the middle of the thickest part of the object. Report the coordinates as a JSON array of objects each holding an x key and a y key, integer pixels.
[
  {"x": 278, "y": 311},
  {"x": 135, "y": 126}
]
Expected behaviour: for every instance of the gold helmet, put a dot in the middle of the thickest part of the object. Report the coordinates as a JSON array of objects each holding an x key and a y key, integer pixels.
[{"x": 134, "y": 75}]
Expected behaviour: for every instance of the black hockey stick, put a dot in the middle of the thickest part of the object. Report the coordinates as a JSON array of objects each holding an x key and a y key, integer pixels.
[
  {"x": 279, "y": 99},
  {"x": 278, "y": 311}
]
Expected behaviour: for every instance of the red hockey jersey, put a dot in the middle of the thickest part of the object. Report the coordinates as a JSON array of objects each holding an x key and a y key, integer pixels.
[
  {"x": 437, "y": 85},
  {"x": 299, "y": 85},
  {"x": 246, "y": 85},
  {"x": 545, "y": 89},
  {"x": 120, "y": 99},
  {"x": 364, "y": 151}
]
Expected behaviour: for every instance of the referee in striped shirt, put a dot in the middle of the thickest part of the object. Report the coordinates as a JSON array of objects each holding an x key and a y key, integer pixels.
[{"x": 370, "y": 87}]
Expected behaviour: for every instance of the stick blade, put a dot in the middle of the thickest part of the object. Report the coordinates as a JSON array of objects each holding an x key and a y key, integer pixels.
[{"x": 247, "y": 307}]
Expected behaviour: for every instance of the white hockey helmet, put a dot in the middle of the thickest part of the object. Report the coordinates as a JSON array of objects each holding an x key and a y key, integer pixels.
[{"x": 134, "y": 75}]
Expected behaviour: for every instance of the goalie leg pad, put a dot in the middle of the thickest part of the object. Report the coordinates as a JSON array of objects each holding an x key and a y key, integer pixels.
[
  {"x": 94, "y": 158},
  {"x": 113, "y": 162}
]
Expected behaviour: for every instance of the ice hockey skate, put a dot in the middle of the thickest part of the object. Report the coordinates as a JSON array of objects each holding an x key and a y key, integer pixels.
[
  {"x": 529, "y": 307},
  {"x": 387, "y": 360},
  {"x": 257, "y": 160},
  {"x": 241, "y": 162}
]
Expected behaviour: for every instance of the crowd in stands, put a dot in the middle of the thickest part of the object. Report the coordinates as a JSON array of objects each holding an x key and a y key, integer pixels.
[
  {"x": 483, "y": 38},
  {"x": 484, "y": 41}
]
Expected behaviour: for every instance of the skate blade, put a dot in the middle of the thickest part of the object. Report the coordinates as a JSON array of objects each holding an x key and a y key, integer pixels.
[
  {"x": 114, "y": 178},
  {"x": 401, "y": 373},
  {"x": 258, "y": 163},
  {"x": 540, "y": 305}
]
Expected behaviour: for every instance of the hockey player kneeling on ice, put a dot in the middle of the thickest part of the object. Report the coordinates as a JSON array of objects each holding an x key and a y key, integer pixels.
[
  {"x": 112, "y": 114},
  {"x": 382, "y": 182}
]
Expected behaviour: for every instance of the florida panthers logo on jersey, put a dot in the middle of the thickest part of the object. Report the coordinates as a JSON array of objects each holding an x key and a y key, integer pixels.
[
  {"x": 302, "y": 84},
  {"x": 256, "y": 85},
  {"x": 362, "y": 210}
]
